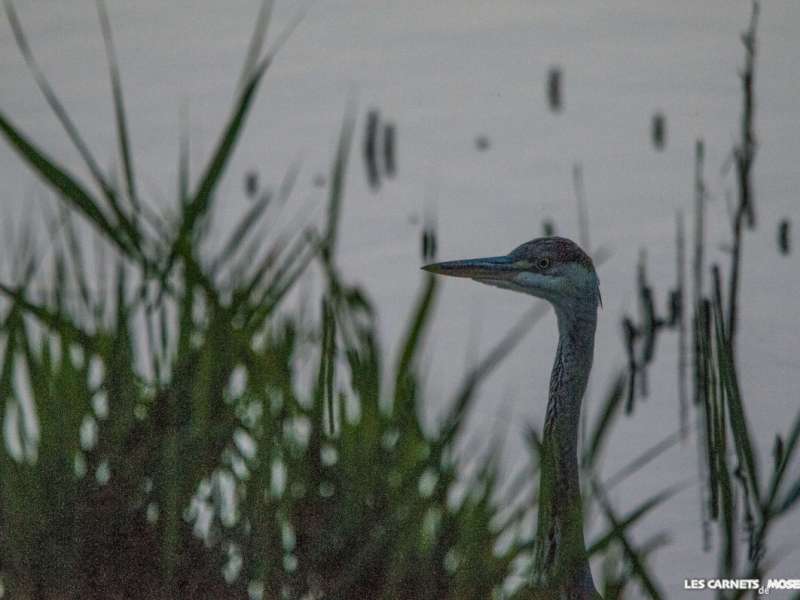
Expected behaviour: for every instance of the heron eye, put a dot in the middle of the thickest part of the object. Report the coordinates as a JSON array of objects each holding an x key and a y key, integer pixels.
[{"x": 543, "y": 263}]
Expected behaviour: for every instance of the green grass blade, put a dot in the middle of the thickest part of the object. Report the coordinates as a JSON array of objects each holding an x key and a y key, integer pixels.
[
  {"x": 792, "y": 498},
  {"x": 184, "y": 156},
  {"x": 327, "y": 366},
  {"x": 257, "y": 40},
  {"x": 789, "y": 449},
  {"x": 63, "y": 183},
  {"x": 729, "y": 379},
  {"x": 337, "y": 182},
  {"x": 283, "y": 280},
  {"x": 607, "y": 415},
  {"x": 602, "y": 542},
  {"x": 413, "y": 337},
  {"x": 51, "y": 320},
  {"x": 215, "y": 168},
  {"x": 638, "y": 567},
  {"x": 643, "y": 459},
  {"x": 239, "y": 234},
  {"x": 493, "y": 358},
  {"x": 727, "y": 522},
  {"x": 123, "y": 138},
  {"x": 198, "y": 205},
  {"x": 52, "y": 100},
  {"x": 78, "y": 264},
  {"x": 69, "y": 127}
]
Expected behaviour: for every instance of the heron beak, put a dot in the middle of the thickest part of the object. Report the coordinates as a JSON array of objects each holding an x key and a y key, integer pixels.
[{"x": 493, "y": 267}]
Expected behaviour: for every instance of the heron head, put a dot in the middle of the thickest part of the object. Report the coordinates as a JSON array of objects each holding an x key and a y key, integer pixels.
[{"x": 552, "y": 268}]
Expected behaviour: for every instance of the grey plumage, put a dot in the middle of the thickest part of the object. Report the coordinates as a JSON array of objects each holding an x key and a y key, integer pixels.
[{"x": 557, "y": 270}]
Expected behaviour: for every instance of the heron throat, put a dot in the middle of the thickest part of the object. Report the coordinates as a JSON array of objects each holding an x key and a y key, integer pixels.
[{"x": 561, "y": 564}]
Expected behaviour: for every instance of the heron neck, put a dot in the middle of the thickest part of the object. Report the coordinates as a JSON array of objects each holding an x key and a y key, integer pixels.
[
  {"x": 561, "y": 559},
  {"x": 573, "y": 363}
]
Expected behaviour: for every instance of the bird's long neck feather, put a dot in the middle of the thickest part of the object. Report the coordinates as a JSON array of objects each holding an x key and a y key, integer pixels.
[{"x": 561, "y": 562}]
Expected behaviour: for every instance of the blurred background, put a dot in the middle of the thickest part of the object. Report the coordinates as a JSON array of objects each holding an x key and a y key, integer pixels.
[{"x": 504, "y": 118}]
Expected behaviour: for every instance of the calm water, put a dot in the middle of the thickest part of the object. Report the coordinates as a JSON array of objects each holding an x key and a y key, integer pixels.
[{"x": 445, "y": 74}]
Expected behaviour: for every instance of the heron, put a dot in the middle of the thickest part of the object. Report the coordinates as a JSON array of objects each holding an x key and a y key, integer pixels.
[{"x": 557, "y": 270}]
